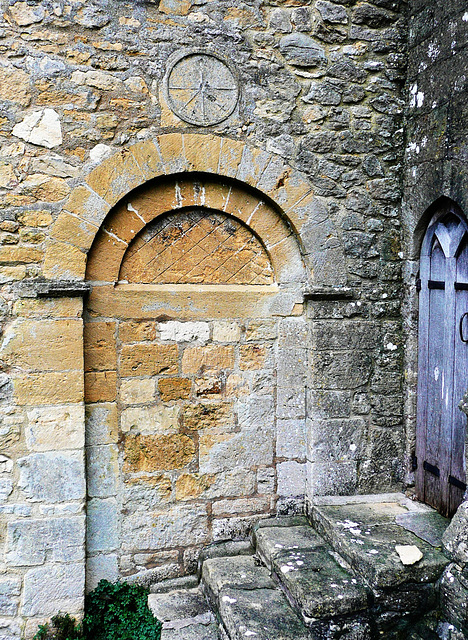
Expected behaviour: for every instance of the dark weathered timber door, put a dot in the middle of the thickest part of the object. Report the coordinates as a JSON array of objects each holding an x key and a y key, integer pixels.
[{"x": 443, "y": 363}]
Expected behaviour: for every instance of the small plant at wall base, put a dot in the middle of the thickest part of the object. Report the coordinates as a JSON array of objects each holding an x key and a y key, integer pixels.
[{"x": 113, "y": 611}]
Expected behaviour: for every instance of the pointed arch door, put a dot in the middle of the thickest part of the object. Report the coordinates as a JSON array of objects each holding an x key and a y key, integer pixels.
[{"x": 442, "y": 363}]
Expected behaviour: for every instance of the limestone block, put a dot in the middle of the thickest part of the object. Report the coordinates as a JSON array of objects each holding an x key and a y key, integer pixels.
[
  {"x": 301, "y": 50},
  {"x": 148, "y": 360},
  {"x": 266, "y": 479},
  {"x": 102, "y": 525},
  {"x": 253, "y": 356},
  {"x": 87, "y": 205},
  {"x": 231, "y": 483},
  {"x": 100, "y": 350},
  {"x": 55, "y": 427},
  {"x": 336, "y": 14},
  {"x": 234, "y": 527},
  {"x": 102, "y": 468},
  {"x": 10, "y": 629},
  {"x": 49, "y": 388},
  {"x": 157, "y": 453},
  {"x": 455, "y": 539},
  {"x": 32, "y": 542},
  {"x": 150, "y": 420},
  {"x": 42, "y": 128},
  {"x": 91, "y": 16},
  {"x": 237, "y": 385},
  {"x": 20, "y": 254},
  {"x": 290, "y": 402},
  {"x": 256, "y": 413},
  {"x": 240, "y": 506},
  {"x": 144, "y": 493},
  {"x": 24, "y": 14},
  {"x": 290, "y": 439},
  {"x": 10, "y": 589},
  {"x": 137, "y": 331},
  {"x": 261, "y": 330},
  {"x": 210, "y": 358},
  {"x": 221, "y": 452},
  {"x": 100, "y": 386},
  {"x": 6, "y": 488},
  {"x": 185, "y": 331},
  {"x": 52, "y": 477},
  {"x": 101, "y": 567},
  {"x": 15, "y": 86},
  {"x": 454, "y": 597},
  {"x": 64, "y": 261},
  {"x": 54, "y": 588},
  {"x": 49, "y": 308},
  {"x": 182, "y": 525},
  {"x": 226, "y": 331},
  {"x": 44, "y": 345},
  {"x": 97, "y": 79},
  {"x": 137, "y": 391},
  {"x": 337, "y": 440},
  {"x": 291, "y": 478},
  {"x": 174, "y": 388},
  {"x": 208, "y": 415},
  {"x": 101, "y": 424}
]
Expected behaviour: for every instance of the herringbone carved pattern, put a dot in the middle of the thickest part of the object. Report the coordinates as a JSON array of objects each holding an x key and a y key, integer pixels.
[{"x": 196, "y": 247}]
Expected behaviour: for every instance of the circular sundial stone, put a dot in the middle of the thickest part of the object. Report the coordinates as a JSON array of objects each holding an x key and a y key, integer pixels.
[{"x": 201, "y": 89}]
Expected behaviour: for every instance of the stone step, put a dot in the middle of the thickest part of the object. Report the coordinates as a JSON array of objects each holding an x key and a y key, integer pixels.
[
  {"x": 312, "y": 577},
  {"x": 366, "y": 536},
  {"x": 248, "y": 601},
  {"x": 185, "y": 615}
]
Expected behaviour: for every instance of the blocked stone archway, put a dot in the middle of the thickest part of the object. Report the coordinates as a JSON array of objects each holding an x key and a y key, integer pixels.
[{"x": 195, "y": 382}]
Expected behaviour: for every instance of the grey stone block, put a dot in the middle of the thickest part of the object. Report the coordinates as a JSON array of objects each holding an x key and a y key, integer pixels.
[
  {"x": 10, "y": 589},
  {"x": 53, "y": 588},
  {"x": 31, "y": 542},
  {"x": 52, "y": 477}
]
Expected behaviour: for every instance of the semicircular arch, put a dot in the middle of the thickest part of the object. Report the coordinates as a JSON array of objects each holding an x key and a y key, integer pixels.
[{"x": 284, "y": 188}]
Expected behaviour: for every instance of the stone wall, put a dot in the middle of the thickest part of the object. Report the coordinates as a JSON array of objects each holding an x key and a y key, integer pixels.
[
  {"x": 316, "y": 134},
  {"x": 435, "y": 154}
]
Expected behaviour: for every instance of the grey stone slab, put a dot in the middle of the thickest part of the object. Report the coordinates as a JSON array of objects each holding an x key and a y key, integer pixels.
[
  {"x": 282, "y": 521},
  {"x": 172, "y": 584},
  {"x": 263, "y": 614},
  {"x": 178, "y": 605},
  {"x": 367, "y": 541},
  {"x": 241, "y": 572},
  {"x": 272, "y": 541},
  {"x": 317, "y": 583},
  {"x": 427, "y": 526},
  {"x": 192, "y": 632}
]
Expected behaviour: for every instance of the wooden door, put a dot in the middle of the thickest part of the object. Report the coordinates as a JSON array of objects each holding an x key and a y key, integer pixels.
[{"x": 443, "y": 363}]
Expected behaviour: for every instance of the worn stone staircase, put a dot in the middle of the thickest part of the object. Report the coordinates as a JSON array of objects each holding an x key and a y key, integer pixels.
[{"x": 336, "y": 575}]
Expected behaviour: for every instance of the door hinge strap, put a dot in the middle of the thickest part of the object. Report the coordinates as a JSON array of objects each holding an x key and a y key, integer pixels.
[
  {"x": 461, "y": 286},
  {"x": 431, "y": 468},
  {"x": 435, "y": 284},
  {"x": 457, "y": 483}
]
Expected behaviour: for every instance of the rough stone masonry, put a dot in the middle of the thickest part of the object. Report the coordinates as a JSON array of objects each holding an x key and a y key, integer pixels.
[{"x": 201, "y": 273}]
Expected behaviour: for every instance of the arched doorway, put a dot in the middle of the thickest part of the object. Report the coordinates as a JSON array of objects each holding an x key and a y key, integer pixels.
[
  {"x": 442, "y": 361},
  {"x": 196, "y": 287}
]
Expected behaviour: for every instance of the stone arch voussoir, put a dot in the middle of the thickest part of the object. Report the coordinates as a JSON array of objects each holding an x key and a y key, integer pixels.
[{"x": 286, "y": 188}]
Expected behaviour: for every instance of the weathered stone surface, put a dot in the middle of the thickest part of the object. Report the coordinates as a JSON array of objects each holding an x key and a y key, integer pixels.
[
  {"x": 150, "y": 420},
  {"x": 53, "y": 588},
  {"x": 157, "y": 453},
  {"x": 238, "y": 572},
  {"x": 41, "y": 128},
  {"x": 454, "y": 597},
  {"x": 185, "y": 331},
  {"x": 302, "y": 50},
  {"x": 148, "y": 360},
  {"x": 55, "y": 427},
  {"x": 455, "y": 538},
  {"x": 10, "y": 589},
  {"x": 102, "y": 470},
  {"x": 102, "y": 525},
  {"x": 262, "y": 612},
  {"x": 356, "y": 532},
  {"x": 180, "y": 526},
  {"x": 32, "y": 542},
  {"x": 52, "y": 477},
  {"x": 174, "y": 388},
  {"x": 210, "y": 358},
  {"x": 208, "y": 415}
]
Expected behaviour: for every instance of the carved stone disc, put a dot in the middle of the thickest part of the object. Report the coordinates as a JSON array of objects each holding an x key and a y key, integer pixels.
[{"x": 201, "y": 89}]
